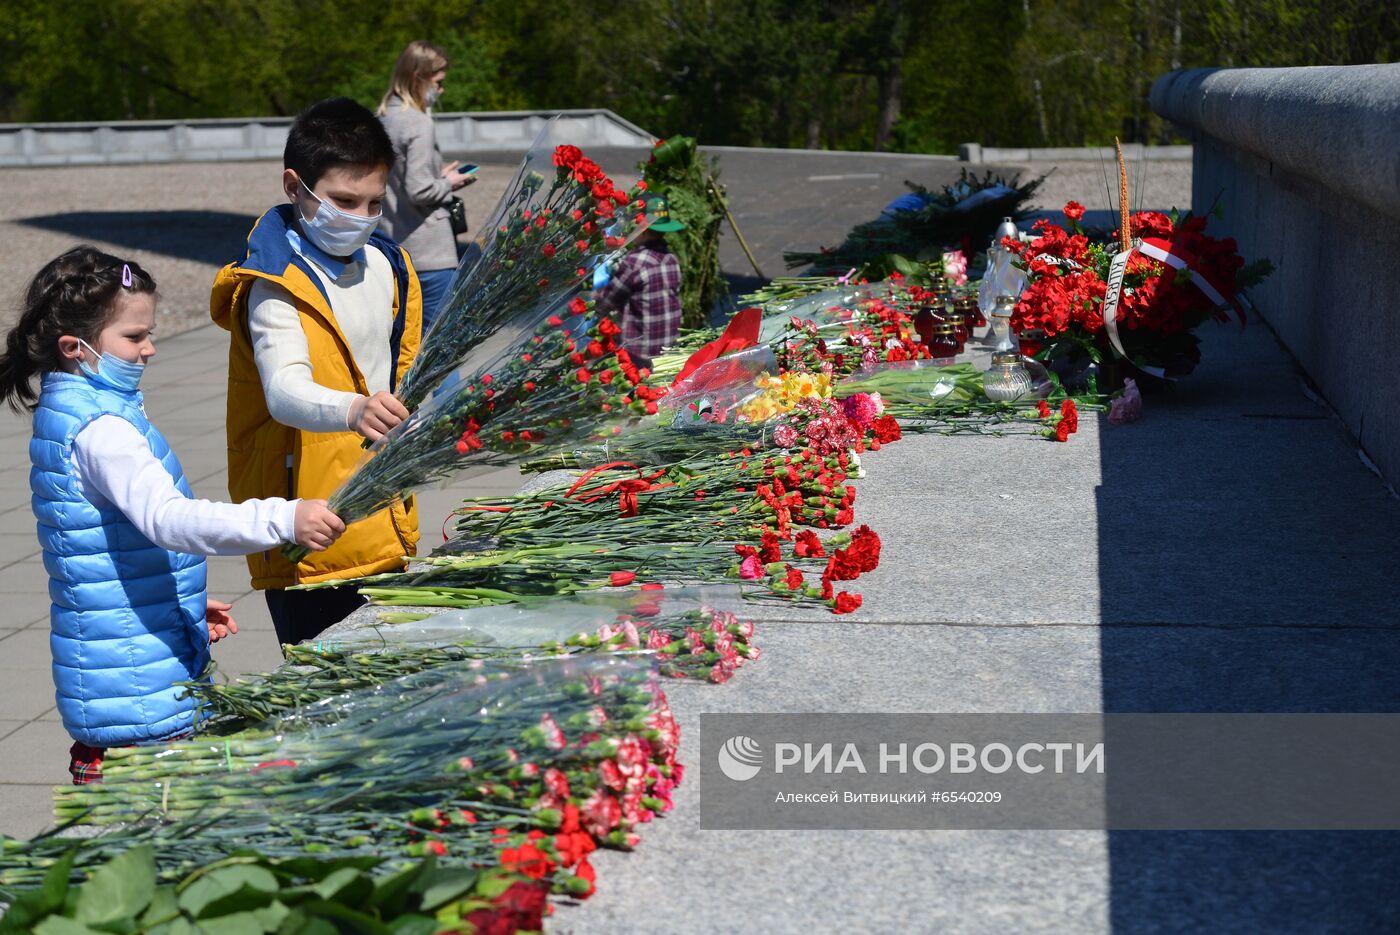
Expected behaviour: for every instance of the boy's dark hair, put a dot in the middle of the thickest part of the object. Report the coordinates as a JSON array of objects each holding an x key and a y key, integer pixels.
[
  {"x": 72, "y": 294},
  {"x": 336, "y": 132}
]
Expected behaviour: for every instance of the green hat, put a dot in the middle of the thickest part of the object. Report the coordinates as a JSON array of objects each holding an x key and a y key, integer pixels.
[{"x": 660, "y": 214}]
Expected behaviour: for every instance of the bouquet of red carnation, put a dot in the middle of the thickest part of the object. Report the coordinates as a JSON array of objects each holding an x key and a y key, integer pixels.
[
  {"x": 1176, "y": 278},
  {"x": 552, "y": 389},
  {"x": 539, "y": 247}
]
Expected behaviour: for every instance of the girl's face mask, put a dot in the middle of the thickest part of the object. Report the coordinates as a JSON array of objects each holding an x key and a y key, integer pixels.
[{"x": 112, "y": 372}]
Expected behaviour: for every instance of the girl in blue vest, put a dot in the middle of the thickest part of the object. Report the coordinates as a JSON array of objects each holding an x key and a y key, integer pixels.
[{"x": 123, "y": 540}]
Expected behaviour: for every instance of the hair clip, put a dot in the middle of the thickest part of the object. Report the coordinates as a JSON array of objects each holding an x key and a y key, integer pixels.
[{"x": 126, "y": 275}]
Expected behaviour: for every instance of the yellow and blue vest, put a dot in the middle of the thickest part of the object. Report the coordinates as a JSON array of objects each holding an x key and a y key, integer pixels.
[{"x": 269, "y": 459}]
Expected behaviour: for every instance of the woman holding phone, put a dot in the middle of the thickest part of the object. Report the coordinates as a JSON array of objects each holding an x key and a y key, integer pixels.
[{"x": 417, "y": 205}]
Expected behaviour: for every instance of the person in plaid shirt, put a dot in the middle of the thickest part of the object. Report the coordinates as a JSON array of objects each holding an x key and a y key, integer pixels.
[{"x": 645, "y": 289}]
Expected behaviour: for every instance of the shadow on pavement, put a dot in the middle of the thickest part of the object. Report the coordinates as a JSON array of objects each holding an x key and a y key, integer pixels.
[
  {"x": 215, "y": 237},
  {"x": 1245, "y": 562}
]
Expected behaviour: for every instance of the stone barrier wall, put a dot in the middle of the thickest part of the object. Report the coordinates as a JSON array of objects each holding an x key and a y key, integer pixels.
[
  {"x": 1305, "y": 165},
  {"x": 70, "y": 144}
]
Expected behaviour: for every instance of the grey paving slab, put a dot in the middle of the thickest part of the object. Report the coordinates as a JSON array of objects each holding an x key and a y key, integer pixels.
[
  {"x": 22, "y": 611},
  {"x": 36, "y": 753},
  {"x": 19, "y": 546},
  {"x": 8, "y": 726},
  {"x": 24, "y": 649},
  {"x": 26, "y": 691},
  {"x": 26, "y": 808}
]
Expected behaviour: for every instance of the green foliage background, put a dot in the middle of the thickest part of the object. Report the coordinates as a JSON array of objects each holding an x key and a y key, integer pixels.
[{"x": 913, "y": 75}]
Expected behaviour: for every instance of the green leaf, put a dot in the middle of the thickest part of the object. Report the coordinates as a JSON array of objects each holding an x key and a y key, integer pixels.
[
  {"x": 390, "y": 893},
  {"x": 318, "y": 868},
  {"x": 272, "y": 917},
  {"x": 363, "y": 923},
  {"x": 299, "y": 923},
  {"x": 444, "y": 886},
  {"x": 55, "y": 886},
  {"x": 164, "y": 906},
  {"x": 238, "y": 923},
  {"x": 346, "y": 885},
  {"x": 178, "y": 926},
  {"x": 60, "y": 925},
  {"x": 225, "y": 882},
  {"x": 414, "y": 925},
  {"x": 120, "y": 888},
  {"x": 27, "y": 909}
]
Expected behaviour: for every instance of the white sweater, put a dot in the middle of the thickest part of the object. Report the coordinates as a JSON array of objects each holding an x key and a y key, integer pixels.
[
  {"x": 115, "y": 468},
  {"x": 362, "y": 300}
]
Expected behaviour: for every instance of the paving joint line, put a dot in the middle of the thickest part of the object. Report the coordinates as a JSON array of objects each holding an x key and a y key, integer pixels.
[{"x": 1071, "y": 625}]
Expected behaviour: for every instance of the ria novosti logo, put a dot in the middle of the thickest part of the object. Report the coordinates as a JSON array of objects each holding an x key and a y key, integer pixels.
[{"x": 740, "y": 758}]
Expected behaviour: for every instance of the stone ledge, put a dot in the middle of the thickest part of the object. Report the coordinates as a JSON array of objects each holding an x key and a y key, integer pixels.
[{"x": 1336, "y": 125}]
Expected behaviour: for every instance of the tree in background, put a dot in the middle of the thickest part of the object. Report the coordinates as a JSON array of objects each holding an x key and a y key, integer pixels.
[{"x": 909, "y": 75}]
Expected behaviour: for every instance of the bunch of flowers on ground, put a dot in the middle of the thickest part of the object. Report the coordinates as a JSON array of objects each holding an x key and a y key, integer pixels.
[{"x": 1061, "y": 311}]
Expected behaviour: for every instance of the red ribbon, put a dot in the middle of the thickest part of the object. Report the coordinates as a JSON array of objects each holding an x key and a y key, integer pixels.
[
  {"x": 740, "y": 333},
  {"x": 626, "y": 490}
]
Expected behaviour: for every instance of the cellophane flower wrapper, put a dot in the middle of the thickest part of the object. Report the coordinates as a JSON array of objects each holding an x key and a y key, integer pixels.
[
  {"x": 694, "y": 417},
  {"x": 559, "y": 218},
  {"x": 920, "y": 384},
  {"x": 703, "y": 632},
  {"x": 540, "y": 623},
  {"x": 547, "y": 391},
  {"x": 385, "y": 748}
]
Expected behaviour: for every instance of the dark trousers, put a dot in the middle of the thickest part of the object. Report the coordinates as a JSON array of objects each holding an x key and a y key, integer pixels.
[{"x": 303, "y": 615}]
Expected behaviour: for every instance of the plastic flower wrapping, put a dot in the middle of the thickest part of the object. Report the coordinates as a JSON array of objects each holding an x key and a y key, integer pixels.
[{"x": 559, "y": 218}]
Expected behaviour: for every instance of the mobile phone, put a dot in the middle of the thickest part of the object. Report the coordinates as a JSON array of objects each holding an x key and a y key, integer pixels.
[{"x": 468, "y": 169}]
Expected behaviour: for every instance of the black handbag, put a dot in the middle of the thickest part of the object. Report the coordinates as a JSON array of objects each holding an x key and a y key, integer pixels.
[{"x": 457, "y": 211}]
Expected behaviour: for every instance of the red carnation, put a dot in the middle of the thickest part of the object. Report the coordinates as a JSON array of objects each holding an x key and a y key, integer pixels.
[
  {"x": 846, "y": 602},
  {"x": 886, "y": 429},
  {"x": 620, "y": 579},
  {"x": 770, "y": 550},
  {"x": 808, "y": 545},
  {"x": 794, "y": 578},
  {"x": 567, "y": 156},
  {"x": 548, "y": 251},
  {"x": 577, "y": 305},
  {"x": 582, "y": 375},
  {"x": 1074, "y": 211}
]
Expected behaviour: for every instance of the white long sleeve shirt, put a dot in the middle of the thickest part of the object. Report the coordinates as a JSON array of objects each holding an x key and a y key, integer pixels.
[
  {"x": 115, "y": 468},
  {"x": 361, "y": 291}
]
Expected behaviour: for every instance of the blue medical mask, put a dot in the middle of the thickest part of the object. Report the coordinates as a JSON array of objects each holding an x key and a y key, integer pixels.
[
  {"x": 337, "y": 232},
  {"x": 112, "y": 372}
]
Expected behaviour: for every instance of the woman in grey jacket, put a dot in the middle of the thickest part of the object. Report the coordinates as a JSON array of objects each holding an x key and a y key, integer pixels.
[{"x": 420, "y": 186}]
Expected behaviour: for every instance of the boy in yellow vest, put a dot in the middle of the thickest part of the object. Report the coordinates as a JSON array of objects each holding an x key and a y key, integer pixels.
[{"x": 324, "y": 317}]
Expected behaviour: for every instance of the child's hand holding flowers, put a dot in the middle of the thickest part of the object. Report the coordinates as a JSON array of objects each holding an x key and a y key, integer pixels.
[{"x": 317, "y": 527}]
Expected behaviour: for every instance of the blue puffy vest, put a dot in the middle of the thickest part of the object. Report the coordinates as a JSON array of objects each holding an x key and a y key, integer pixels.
[{"x": 127, "y": 616}]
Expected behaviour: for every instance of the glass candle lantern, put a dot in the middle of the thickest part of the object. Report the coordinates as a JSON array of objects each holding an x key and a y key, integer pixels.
[{"x": 1007, "y": 379}]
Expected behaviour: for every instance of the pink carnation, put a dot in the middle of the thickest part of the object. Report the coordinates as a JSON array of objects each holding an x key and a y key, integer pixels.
[{"x": 860, "y": 409}]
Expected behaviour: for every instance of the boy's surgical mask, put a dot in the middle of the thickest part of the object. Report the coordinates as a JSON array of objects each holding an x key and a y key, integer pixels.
[
  {"x": 337, "y": 232},
  {"x": 112, "y": 372}
]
